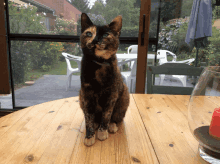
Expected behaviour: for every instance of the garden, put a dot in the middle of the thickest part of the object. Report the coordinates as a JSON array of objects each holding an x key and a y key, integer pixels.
[{"x": 33, "y": 59}]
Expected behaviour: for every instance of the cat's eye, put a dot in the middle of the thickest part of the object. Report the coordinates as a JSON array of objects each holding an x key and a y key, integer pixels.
[
  {"x": 89, "y": 34},
  {"x": 105, "y": 35}
]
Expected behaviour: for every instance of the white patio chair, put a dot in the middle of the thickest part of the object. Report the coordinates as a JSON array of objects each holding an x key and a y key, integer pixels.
[
  {"x": 134, "y": 50},
  {"x": 163, "y": 55},
  {"x": 130, "y": 76},
  {"x": 71, "y": 70}
]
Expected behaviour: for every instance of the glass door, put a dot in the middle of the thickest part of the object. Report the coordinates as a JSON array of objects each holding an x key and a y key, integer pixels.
[{"x": 42, "y": 31}]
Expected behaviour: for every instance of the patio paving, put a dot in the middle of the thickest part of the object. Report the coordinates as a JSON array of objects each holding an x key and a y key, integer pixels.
[{"x": 53, "y": 87}]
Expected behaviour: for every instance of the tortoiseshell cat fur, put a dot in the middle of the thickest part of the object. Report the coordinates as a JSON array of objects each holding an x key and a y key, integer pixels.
[{"x": 104, "y": 98}]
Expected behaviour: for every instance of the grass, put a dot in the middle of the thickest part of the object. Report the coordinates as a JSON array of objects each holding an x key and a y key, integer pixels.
[
  {"x": 121, "y": 52},
  {"x": 59, "y": 69}
]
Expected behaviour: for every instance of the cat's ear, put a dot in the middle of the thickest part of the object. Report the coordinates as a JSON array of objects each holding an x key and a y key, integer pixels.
[
  {"x": 85, "y": 22},
  {"x": 116, "y": 24}
]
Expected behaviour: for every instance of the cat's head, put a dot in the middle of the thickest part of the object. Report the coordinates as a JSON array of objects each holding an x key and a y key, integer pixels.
[{"x": 103, "y": 39}]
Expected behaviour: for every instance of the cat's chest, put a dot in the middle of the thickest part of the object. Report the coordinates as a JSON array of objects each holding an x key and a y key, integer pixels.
[
  {"x": 95, "y": 74},
  {"x": 102, "y": 74}
]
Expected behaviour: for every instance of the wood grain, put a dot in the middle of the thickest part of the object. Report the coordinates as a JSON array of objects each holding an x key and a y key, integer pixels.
[
  {"x": 168, "y": 129},
  {"x": 155, "y": 130},
  {"x": 139, "y": 144}
]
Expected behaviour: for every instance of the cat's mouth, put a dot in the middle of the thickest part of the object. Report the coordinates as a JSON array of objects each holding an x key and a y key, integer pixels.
[{"x": 100, "y": 46}]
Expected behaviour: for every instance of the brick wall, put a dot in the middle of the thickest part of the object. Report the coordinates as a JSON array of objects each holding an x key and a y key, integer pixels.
[
  {"x": 62, "y": 9},
  {"x": 57, "y": 5},
  {"x": 70, "y": 11}
]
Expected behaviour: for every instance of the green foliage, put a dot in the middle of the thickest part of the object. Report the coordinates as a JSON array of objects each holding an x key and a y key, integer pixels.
[
  {"x": 153, "y": 28},
  {"x": 168, "y": 10},
  {"x": 130, "y": 14},
  {"x": 64, "y": 27},
  {"x": 28, "y": 55},
  {"x": 186, "y": 8},
  {"x": 44, "y": 54},
  {"x": 215, "y": 11},
  {"x": 179, "y": 38},
  {"x": 130, "y": 31},
  {"x": 98, "y": 8},
  {"x": 25, "y": 20},
  {"x": 22, "y": 20},
  {"x": 19, "y": 61},
  {"x": 211, "y": 52}
]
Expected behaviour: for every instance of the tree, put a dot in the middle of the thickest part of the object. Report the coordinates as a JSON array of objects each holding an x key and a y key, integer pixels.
[
  {"x": 98, "y": 8},
  {"x": 186, "y": 8},
  {"x": 168, "y": 9},
  {"x": 82, "y": 5},
  {"x": 130, "y": 14}
]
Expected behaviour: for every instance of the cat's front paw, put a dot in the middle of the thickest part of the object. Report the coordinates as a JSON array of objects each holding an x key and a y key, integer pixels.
[
  {"x": 89, "y": 141},
  {"x": 102, "y": 134},
  {"x": 96, "y": 126},
  {"x": 112, "y": 128}
]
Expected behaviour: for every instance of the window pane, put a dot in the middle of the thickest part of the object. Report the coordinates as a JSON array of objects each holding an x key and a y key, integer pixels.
[
  {"x": 40, "y": 71},
  {"x": 174, "y": 21}
]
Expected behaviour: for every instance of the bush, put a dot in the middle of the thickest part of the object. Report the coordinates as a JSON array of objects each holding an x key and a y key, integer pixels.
[
  {"x": 19, "y": 60},
  {"x": 22, "y": 20},
  {"x": 66, "y": 27},
  {"x": 210, "y": 52},
  {"x": 44, "y": 54}
]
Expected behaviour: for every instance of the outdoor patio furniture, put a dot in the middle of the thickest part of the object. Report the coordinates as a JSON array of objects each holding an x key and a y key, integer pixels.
[
  {"x": 130, "y": 76},
  {"x": 171, "y": 69},
  {"x": 163, "y": 59},
  {"x": 134, "y": 50},
  {"x": 71, "y": 70},
  {"x": 155, "y": 130}
]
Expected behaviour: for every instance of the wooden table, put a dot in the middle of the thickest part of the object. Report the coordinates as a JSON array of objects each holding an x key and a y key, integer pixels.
[{"x": 155, "y": 130}]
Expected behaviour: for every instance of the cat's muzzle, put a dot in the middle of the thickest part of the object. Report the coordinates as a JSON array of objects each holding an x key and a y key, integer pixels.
[
  {"x": 90, "y": 45},
  {"x": 100, "y": 46}
]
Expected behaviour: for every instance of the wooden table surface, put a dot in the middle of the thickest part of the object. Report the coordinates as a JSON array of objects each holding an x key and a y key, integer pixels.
[{"x": 155, "y": 130}]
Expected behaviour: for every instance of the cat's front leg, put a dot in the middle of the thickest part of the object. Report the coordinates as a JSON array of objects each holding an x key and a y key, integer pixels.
[
  {"x": 106, "y": 117},
  {"x": 102, "y": 133},
  {"x": 90, "y": 130}
]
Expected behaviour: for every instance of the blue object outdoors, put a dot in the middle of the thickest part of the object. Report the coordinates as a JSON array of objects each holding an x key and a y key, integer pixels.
[{"x": 200, "y": 25}]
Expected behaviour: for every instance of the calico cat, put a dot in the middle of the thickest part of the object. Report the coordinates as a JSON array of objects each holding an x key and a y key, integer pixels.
[{"x": 104, "y": 98}]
